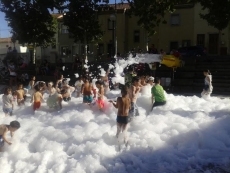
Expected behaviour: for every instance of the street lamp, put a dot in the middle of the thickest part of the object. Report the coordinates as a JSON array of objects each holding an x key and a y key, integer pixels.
[{"x": 113, "y": 19}]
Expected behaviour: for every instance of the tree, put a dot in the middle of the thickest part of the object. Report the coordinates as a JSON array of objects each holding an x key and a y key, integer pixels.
[
  {"x": 152, "y": 12},
  {"x": 81, "y": 18},
  {"x": 31, "y": 21},
  {"x": 216, "y": 13}
]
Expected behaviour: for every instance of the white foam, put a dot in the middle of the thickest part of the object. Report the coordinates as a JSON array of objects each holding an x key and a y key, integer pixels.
[{"x": 188, "y": 134}]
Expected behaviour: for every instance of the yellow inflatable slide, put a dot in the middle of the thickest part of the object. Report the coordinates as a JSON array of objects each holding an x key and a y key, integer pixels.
[{"x": 171, "y": 61}]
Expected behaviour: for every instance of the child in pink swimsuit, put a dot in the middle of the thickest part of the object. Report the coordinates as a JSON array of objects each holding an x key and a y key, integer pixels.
[{"x": 100, "y": 98}]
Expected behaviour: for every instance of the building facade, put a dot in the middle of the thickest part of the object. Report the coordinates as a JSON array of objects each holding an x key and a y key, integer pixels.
[{"x": 184, "y": 27}]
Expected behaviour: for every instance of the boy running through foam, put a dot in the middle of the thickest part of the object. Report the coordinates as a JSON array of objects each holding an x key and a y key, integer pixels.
[
  {"x": 123, "y": 105},
  {"x": 86, "y": 90},
  {"x": 37, "y": 98},
  {"x": 4, "y": 129}
]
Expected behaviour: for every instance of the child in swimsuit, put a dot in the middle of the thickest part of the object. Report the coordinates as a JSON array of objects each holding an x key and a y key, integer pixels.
[
  {"x": 37, "y": 98},
  {"x": 21, "y": 96},
  {"x": 31, "y": 83},
  {"x": 4, "y": 129},
  {"x": 65, "y": 95},
  {"x": 133, "y": 94},
  {"x": 123, "y": 105},
  {"x": 78, "y": 86},
  {"x": 87, "y": 89},
  {"x": 7, "y": 102},
  {"x": 100, "y": 98}
]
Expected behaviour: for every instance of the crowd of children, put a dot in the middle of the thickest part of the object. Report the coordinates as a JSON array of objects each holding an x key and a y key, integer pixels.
[{"x": 91, "y": 94}]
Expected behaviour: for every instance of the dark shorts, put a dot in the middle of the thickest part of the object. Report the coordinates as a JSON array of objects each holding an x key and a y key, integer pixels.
[
  {"x": 87, "y": 99},
  {"x": 123, "y": 119},
  {"x": 158, "y": 104},
  {"x": 1, "y": 141},
  {"x": 66, "y": 99}
]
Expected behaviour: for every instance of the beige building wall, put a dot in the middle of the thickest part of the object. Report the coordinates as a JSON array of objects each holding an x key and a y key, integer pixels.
[
  {"x": 185, "y": 32},
  {"x": 202, "y": 27},
  {"x": 181, "y": 33}
]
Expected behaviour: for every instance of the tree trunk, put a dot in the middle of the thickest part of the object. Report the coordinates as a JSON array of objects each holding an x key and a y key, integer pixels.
[
  {"x": 34, "y": 53},
  {"x": 85, "y": 44},
  {"x": 219, "y": 43}
]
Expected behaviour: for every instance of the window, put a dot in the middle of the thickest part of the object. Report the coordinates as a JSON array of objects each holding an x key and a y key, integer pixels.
[
  {"x": 64, "y": 29},
  {"x": 110, "y": 24},
  {"x": 200, "y": 40},
  {"x": 100, "y": 49},
  {"x": 186, "y": 43},
  {"x": 136, "y": 36},
  {"x": 175, "y": 19},
  {"x": 65, "y": 51}
]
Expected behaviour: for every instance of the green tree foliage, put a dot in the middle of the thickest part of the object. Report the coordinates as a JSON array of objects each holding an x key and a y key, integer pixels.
[
  {"x": 152, "y": 12},
  {"x": 30, "y": 20},
  {"x": 81, "y": 18},
  {"x": 216, "y": 13}
]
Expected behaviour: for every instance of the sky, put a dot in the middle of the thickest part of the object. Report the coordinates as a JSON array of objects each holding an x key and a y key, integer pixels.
[{"x": 5, "y": 30}]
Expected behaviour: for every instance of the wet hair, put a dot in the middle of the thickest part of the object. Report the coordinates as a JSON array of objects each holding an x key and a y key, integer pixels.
[
  {"x": 15, "y": 124},
  {"x": 32, "y": 77},
  {"x": 135, "y": 79},
  {"x": 64, "y": 81},
  {"x": 7, "y": 90},
  {"x": 37, "y": 87},
  {"x": 207, "y": 71},
  {"x": 157, "y": 80},
  {"x": 124, "y": 91},
  {"x": 42, "y": 84},
  {"x": 99, "y": 82}
]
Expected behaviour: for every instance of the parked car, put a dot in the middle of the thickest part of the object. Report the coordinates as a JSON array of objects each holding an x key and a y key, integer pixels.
[{"x": 192, "y": 51}]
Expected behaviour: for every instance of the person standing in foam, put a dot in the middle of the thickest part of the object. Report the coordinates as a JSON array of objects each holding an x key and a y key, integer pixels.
[
  {"x": 86, "y": 90},
  {"x": 66, "y": 90},
  {"x": 151, "y": 81},
  {"x": 100, "y": 95},
  {"x": 4, "y": 129},
  {"x": 53, "y": 96},
  {"x": 123, "y": 105},
  {"x": 105, "y": 79},
  {"x": 7, "y": 102},
  {"x": 207, "y": 90},
  {"x": 78, "y": 85},
  {"x": 37, "y": 98},
  {"x": 158, "y": 94},
  {"x": 133, "y": 94}
]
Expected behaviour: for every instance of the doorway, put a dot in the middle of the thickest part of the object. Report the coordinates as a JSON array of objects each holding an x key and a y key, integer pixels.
[{"x": 213, "y": 43}]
